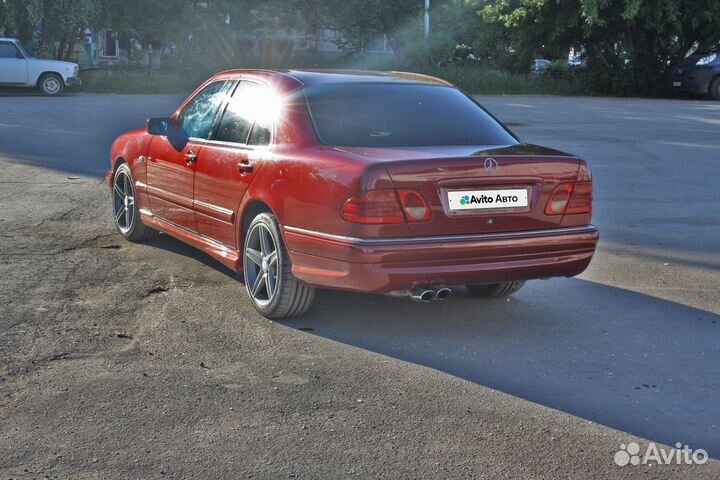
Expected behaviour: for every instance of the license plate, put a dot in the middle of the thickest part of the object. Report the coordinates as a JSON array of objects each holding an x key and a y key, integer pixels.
[
  {"x": 487, "y": 199},
  {"x": 677, "y": 84}
]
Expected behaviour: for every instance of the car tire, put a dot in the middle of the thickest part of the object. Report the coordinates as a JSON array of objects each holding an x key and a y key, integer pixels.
[
  {"x": 715, "y": 89},
  {"x": 495, "y": 290},
  {"x": 270, "y": 284},
  {"x": 51, "y": 85},
  {"x": 125, "y": 210}
]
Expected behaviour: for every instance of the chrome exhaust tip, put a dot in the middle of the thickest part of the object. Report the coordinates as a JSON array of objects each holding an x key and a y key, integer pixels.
[
  {"x": 443, "y": 293},
  {"x": 422, "y": 295}
]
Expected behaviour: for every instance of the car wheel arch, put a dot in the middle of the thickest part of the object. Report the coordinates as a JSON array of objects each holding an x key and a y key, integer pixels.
[
  {"x": 44, "y": 74},
  {"x": 116, "y": 164},
  {"x": 250, "y": 210},
  {"x": 715, "y": 79}
]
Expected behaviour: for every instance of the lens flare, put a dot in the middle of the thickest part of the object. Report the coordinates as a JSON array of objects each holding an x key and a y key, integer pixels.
[{"x": 260, "y": 105}]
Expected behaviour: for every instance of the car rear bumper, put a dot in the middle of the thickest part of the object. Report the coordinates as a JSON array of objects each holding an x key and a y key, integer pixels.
[{"x": 383, "y": 265}]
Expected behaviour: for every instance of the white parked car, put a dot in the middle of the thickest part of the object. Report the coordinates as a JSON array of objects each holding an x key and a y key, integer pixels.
[{"x": 19, "y": 69}]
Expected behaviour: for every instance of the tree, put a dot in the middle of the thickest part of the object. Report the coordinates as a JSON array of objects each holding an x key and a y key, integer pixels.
[
  {"x": 356, "y": 20},
  {"x": 631, "y": 44},
  {"x": 150, "y": 22},
  {"x": 63, "y": 20},
  {"x": 15, "y": 20},
  {"x": 454, "y": 31}
]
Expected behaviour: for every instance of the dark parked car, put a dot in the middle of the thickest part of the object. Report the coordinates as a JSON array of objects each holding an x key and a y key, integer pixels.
[{"x": 699, "y": 73}]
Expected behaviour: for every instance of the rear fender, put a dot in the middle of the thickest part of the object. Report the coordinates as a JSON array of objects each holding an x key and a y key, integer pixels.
[{"x": 308, "y": 193}]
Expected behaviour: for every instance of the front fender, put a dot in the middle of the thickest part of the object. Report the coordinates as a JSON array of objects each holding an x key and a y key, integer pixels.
[{"x": 132, "y": 148}]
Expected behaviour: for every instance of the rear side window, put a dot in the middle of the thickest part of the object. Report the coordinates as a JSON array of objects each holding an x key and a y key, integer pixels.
[
  {"x": 246, "y": 119},
  {"x": 400, "y": 115},
  {"x": 8, "y": 50},
  {"x": 199, "y": 114},
  {"x": 260, "y": 135}
]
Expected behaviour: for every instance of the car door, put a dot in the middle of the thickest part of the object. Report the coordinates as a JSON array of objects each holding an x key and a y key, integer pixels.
[
  {"x": 230, "y": 160},
  {"x": 172, "y": 159},
  {"x": 13, "y": 64}
]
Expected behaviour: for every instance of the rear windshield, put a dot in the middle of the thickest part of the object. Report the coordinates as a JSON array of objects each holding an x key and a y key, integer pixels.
[{"x": 400, "y": 115}]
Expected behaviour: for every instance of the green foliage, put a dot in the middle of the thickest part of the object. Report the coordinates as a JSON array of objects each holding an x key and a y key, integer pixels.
[
  {"x": 150, "y": 22},
  {"x": 61, "y": 16},
  {"x": 472, "y": 79},
  {"x": 63, "y": 21},
  {"x": 560, "y": 70},
  {"x": 453, "y": 29},
  {"x": 356, "y": 20},
  {"x": 483, "y": 80},
  {"x": 631, "y": 45},
  {"x": 142, "y": 81},
  {"x": 15, "y": 19}
]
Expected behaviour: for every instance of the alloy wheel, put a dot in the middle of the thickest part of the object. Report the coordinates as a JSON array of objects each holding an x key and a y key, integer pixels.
[
  {"x": 123, "y": 201},
  {"x": 262, "y": 264}
]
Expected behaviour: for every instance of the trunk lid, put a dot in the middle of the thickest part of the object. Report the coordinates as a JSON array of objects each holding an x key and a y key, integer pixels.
[{"x": 444, "y": 175}]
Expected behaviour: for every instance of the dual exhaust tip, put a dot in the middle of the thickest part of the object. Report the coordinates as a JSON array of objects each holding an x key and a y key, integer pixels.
[{"x": 429, "y": 295}]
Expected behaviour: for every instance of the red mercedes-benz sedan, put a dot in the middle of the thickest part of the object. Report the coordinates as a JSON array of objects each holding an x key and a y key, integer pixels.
[{"x": 380, "y": 182}]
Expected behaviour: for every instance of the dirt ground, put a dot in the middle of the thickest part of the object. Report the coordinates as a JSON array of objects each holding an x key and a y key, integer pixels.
[{"x": 120, "y": 360}]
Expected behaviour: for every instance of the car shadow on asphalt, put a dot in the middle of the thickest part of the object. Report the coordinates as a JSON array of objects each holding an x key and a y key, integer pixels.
[
  {"x": 31, "y": 92},
  {"x": 170, "y": 244},
  {"x": 623, "y": 359}
]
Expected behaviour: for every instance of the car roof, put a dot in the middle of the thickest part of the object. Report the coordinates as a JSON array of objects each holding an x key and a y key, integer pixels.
[
  {"x": 311, "y": 77},
  {"x": 8, "y": 39},
  {"x": 291, "y": 79}
]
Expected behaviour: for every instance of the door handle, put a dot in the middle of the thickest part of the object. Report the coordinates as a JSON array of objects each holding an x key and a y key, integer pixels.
[
  {"x": 245, "y": 166},
  {"x": 190, "y": 157}
]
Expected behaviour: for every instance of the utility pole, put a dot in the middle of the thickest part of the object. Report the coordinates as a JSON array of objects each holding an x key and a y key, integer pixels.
[{"x": 427, "y": 19}]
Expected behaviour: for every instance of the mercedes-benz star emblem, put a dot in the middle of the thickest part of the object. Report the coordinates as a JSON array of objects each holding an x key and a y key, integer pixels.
[{"x": 491, "y": 165}]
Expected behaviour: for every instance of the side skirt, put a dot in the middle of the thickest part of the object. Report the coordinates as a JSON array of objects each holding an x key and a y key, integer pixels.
[{"x": 229, "y": 257}]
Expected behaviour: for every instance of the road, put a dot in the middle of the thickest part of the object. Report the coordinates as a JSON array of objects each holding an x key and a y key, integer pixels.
[{"x": 147, "y": 360}]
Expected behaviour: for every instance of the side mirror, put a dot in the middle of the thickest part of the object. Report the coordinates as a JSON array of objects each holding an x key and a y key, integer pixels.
[
  {"x": 159, "y": 126},
  {"x": 19, "y": 56}
]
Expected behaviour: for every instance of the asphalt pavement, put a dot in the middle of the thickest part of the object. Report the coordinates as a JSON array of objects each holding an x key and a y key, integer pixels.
[{"x": 148, "y": 360}]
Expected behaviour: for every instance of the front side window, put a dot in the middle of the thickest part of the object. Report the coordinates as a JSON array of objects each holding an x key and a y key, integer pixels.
[
  {"x": 400, "y": 115},
  {"x": 248, "y": 116},
  {"x": 8, "y": 50},
  {"x": 199, "y": 114}
]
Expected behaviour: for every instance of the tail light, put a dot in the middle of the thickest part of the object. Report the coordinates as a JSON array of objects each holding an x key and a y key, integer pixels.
[
  {"x": 570, "y": 198},
  {"x": 559, "y": 199},
  {"x": 414, "y": 205},
  {"x": 375, "y": 206},
  {"x": 581, "y": 200},
  {"x": 386, "y": 206}
]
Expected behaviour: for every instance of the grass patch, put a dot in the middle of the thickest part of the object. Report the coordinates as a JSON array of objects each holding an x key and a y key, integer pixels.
[
  {"x": 483, "y": 81},
  {"x": 475, "y": 80},
  {"x": 140, "y": 81}
]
